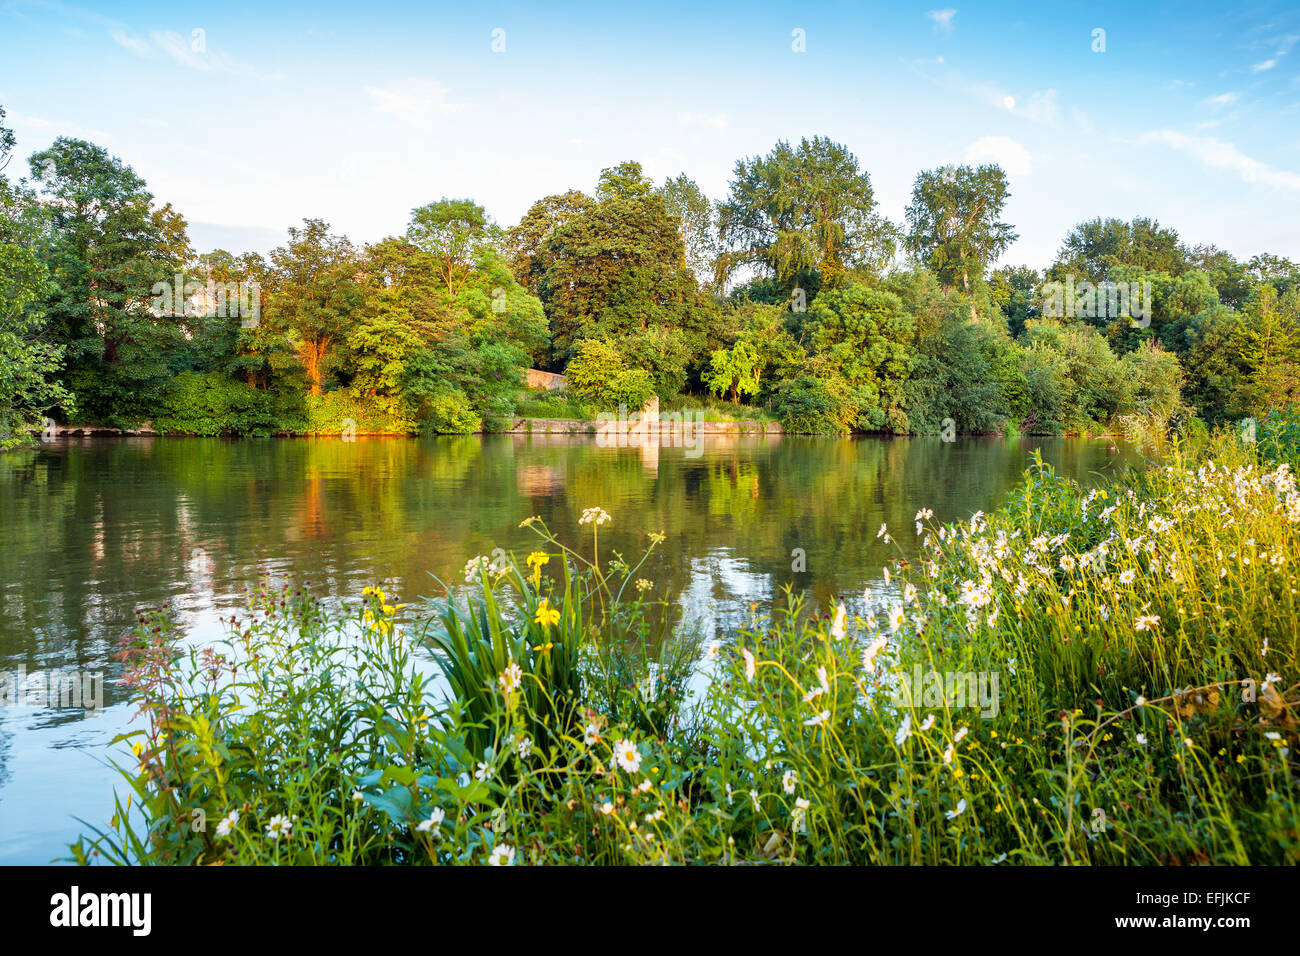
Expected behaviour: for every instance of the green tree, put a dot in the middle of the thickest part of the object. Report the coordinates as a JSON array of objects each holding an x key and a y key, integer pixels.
[
  {"x": 1093, "y": 248},
  {"x": 696, "y": 219},
  {"x": 803, "y": 211},
  {"x": 455, "y": 232},
  {"x": 106, "y": 248},
  {"x": 954, "y": 225},
  {"x": 317, "y": 295},
  {"x": 29, "y": 360}
]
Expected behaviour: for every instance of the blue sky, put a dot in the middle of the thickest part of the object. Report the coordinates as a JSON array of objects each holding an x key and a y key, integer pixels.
[{"x": 356, "y": 114}]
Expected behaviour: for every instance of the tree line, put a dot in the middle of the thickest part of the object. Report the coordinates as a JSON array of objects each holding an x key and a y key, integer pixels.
[{"x": 792, "y": 296}]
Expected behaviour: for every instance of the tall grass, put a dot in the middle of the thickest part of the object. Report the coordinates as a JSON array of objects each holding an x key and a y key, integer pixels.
[{"x": 1144, "y": 637}]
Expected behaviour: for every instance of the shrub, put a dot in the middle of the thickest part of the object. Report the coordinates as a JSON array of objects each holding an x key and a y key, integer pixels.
[{"x": 214, "y": 404}]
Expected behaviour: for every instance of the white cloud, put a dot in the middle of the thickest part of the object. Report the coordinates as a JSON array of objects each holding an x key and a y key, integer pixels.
[
  {"x": 136, "y": 45},
  {"x": 1220, "y": 155},
  {"x": 705, "y": 120},
  {"x": 415, "y": 101},
  {"x": 942, "y": 19},
  {"x": 1223, "y": 99},
  {"x": 1003, "y": 150},
  {"x": 191, "y": 52},
  {"x": 1264, "y": 65}
]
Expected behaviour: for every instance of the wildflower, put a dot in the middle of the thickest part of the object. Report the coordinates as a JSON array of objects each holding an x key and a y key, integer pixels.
[
  {"x": 645, "y": 785},
  {"x": 947, "y": 754},
  {"x": 1141, "y": 740},
  {"x": 886, "y": 572},
  {"x": 753, "y": 798},
  {"x": 432, "y": 824},
  {"x": 483, "y": 771},
  {"x": 927, "y": 724},
  {"x": 799, "y": 816},
  {"x": 711, "y": 650},
  {"x": 904, "y": 731},
  {"x": 788, "y": 781},
  {"x": 227, "y": 823},
  {"x": 591, "y": 734},
  {"x": 818, "y": 720},
  {"x": 643, "y": 585},
  {"x": 502, "y": 855},
  {"x": 607, "y": 808},
  {"x": 547, "y": 616},
  {"x": 839, "y": 627},
  {"x": 1270, "y": 679},
  {"x": 598, "y": 516},
  {"x": 961, "y": 808},
  {"x": 535, "y": 561},
  {"x": 511, "y": 679},
  {"x": 960, "y": 734},
  {"x": 909, "y": 593},
  {"x": 1104, "y": 611},
  {"x": 357, "y": 796},
  {"x": 279, "y": 826},
  {"x": 869, "y": 654},
  {"x": 750, "y": 666},
  {"x": 627, "y": 756},
  {"x": 1127, "y": 577},
  {"x": 882, "y": 532},
  {"x": 1148, "y": 622},
  {"x": 1141, "y": 701},
  {"x": 1270, "y": 734},
  {"x": 895, "y": 618},
  {"x": 523, "y": 747}
]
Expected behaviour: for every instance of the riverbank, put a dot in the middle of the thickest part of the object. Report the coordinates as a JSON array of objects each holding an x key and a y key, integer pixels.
[{"x": 1082, "y": 677}]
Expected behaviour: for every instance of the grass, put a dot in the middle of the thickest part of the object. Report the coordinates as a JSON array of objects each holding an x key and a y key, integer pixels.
[{"x": 1145, "y": 637}]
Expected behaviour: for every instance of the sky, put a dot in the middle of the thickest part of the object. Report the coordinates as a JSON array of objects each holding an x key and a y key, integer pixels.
[{"x": 249, "y": 118}]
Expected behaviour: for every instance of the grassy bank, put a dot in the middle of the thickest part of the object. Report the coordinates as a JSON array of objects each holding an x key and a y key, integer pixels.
[{"x": 1143, "y": 640}]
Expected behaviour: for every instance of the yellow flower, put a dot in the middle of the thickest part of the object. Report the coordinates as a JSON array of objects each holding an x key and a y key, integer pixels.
[
  {"x": 535, "y": 561},
  {"x": 546, "y": 615}
]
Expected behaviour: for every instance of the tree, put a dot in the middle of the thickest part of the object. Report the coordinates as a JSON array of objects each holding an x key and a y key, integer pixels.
[
  {"x": 1270, "y": 349},
  {"x": 455, "y": 232},
  {"x": 616, "y": 271},
  {"x": 107, "y": 247},
  {"x": 801, "y": 211},
  {"x": 954, "y": 225},
  {"x": 863, "y": 337},
  {"x": 525, "y": 243},
  {"x": 696, "y": 220},
  {"x": 624, "y": 181},
  {"x": 29, "y": 360},
  {"x": 1095, "y": 247},
  {"x": 317, "y": 295},
  {"x": 1016, "y": 291}
]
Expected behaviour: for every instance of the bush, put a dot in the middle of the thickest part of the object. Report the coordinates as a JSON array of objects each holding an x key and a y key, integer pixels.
[
  {"x": 213, "y": 404},
  {"x": 331, "y": 413},
  {"x": 449, "y": 413},
  {"x": 599, "y": 374}
]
